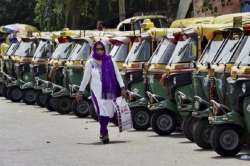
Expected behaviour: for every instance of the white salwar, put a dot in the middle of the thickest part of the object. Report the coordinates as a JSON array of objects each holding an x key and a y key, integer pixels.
[{"x": 92, "y": 74}]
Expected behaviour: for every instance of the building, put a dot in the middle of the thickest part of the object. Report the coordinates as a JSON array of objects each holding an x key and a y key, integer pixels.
[{"x": 199, "y": 8}]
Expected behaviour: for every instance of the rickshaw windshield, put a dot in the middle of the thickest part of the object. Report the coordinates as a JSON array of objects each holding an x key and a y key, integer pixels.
[
  {"x": 119, "y": 52},
  {"x": 43, "y": 50},
  {"x": 140, "y": 52},
  {"x": 62, "y": 51},
  {"x": 163, "y": 52},
  {"x": 26, "y": 49},
  {"x": 227, "y": 52},
  {"x": 244, "y": 56},
  {"x": 80, "y": 52},
  {"x": 12, "y": 49},
  {"x": 182, "y": 52},
  {"x": 210, "y": 51}
]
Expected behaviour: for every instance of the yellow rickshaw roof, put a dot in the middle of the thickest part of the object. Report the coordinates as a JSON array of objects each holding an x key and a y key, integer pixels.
[
  {"x": 188, "y": 22},
  {"x": 160, "y": 32},
  {"x": 228, "y": 18},
  {"x": 208, "y": 29}
]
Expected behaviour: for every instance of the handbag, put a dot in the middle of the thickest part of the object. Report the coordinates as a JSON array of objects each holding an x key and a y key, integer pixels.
[{"x": 123, "y": 114}]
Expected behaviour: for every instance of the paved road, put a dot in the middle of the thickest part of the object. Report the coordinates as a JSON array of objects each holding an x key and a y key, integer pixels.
[{"x": 31, "y": 136}]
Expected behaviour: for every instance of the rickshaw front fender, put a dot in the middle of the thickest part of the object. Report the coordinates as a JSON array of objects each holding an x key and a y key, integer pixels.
[{"x": 228, "y": 118}]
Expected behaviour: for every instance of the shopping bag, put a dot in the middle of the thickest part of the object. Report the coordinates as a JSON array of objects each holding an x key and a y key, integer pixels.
[{"x": 123, "y": 114}]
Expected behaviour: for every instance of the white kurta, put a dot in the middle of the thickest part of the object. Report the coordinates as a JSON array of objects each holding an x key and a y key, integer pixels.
[{"x": 92, "y": 74}]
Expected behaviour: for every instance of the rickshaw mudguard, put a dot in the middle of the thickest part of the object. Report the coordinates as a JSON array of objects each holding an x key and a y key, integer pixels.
[
  {"x": 246, "y": 108},
  {"x": 138, "y": 103},
  {"x": 202, "y": 113},
  {"x": 228, "y": 118},
  {"x": 27, "y": 85},
  {"x": 47, "y": 90},
  {"x": 18, "y": 83},
  {"x": 64, "y": 92},
  {"x": 166, "y": 104}
]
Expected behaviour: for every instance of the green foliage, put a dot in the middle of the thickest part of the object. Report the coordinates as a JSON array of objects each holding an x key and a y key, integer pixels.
[
  {"x": 17, "y": 11},
  {"x": 50, "y": 15}
]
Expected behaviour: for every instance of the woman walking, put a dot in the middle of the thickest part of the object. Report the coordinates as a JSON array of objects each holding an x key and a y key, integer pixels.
[{"x": 106, "y": 85}]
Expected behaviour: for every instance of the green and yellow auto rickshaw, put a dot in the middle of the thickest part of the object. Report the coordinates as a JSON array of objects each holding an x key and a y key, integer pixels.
[
  {"x": 55, "y": 72},
  {"x": 218, "y": 69},
  {"x": 22, "y": 60},
  {"x": 7, "y": 69},
  {"x": 199, "y": 77},
  {"x": 133, "y": 74},
  {"x": 38, "y": 71},
  {"x": 73, "y": 72},
  {"x": 230, "y": 120},
  {"x": 178, "y": 77}
]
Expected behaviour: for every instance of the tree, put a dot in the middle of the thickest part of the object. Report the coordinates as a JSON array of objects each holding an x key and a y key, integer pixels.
[{"x": 12, "y": 11}]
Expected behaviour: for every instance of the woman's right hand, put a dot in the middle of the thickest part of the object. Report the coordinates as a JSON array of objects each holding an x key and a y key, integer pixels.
[{"x": 79, "y": 97}]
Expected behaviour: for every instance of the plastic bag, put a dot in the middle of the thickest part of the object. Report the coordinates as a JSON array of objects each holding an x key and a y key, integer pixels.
[{"x": 123, "y": 114}]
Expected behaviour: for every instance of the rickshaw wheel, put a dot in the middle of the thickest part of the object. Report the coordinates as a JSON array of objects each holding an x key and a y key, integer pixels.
[
  {"x": 2, "y": 89},
  {"x": 92, "y": 112},
  {"x": 81, "y": 109},
  {"x": 140, "y": 118},
  {"x": 201, "y": 133},
  {"x": 6, "y": 92},
  {"x": 29, "y": 96},
  {"x": 50, "y": 103},
  {"x": 188, "y": 125},
  {"x": 64, "y": 105},
  {"x": 41, "y": 99},
  {"x": 163, "y": 123},
  {"x": 15, "y": 94},
  {"x": 226, "y": 140}
]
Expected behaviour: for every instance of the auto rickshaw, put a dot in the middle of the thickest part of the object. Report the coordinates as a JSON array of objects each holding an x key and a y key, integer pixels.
[
  {"x": 73, "y": 72},
  {"x": 199, "y": 76},
  {"x": 7, "y": 69},
  {"x": 38, "y": 71},
  {"x": 218, "y": 69},
  {"x": 55, "y": 73},
  {"x": 22, "y": 60},
  {"x": 230, "y": 121},
  {"x": 133, "y": 75},
  {"x": 178, "y": 77},
  {"x": 138, "y": 100}
]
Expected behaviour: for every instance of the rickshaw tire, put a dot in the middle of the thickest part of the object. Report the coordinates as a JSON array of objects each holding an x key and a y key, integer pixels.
[
  {"x": 216, "y": 132},
  {"x": 201, "y": 126},
  {"x": 188, "y": 124},
  {"x": 78, "y": 113},
  {"x": 12, "y": 96},
  {"x": 48, "y": 104},
  {"x": 155, "y": 119},
  {"x": 63, "y": 108},
  {"x": 136, "y": 112},
  {"x": 25, "y": 97}
]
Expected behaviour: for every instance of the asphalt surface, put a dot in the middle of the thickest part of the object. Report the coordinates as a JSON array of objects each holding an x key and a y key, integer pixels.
[{"x": 32, "y": 136}]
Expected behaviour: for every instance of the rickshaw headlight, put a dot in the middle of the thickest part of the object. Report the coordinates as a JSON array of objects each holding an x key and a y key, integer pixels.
[{"x": 244, "y": 88}]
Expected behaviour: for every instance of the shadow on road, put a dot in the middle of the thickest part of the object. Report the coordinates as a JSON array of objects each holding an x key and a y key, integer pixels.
[{"x": 99, "y": 143}]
